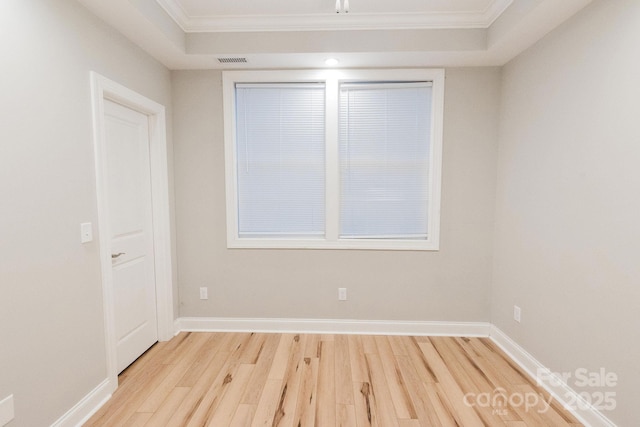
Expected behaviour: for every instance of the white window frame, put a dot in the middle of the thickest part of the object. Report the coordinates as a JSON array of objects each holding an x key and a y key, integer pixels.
[{"x": 333, "y": 79}]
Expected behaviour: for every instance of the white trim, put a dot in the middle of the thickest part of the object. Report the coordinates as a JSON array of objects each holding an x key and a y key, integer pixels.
[
  {"x": 7, "y": 412},
  {"x": 359, "y": 244},
  {"x": 103, "y": 88},
  {"x": 494, "y": 10},
  {"x": 87, "y": 406},
  {"x": 319, "y": 22},
  {"x": 332, "y": 79},
  {"x": 584, "y": 411},
  {"x": 332, "y": 161},
  {"x": 330, "y": 326}
]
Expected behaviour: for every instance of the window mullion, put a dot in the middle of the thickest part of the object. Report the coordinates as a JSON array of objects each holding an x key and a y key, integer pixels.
[{"x": 332, "y": 203}]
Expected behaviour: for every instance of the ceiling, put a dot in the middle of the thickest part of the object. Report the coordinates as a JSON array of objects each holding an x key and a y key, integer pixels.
[
  {"x": 297, "y": 7},
  {"x": 195, "y": 34},
  {"x": 288, "y": 15}
]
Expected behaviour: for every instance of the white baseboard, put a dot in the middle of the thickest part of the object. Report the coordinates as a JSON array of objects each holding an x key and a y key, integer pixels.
[
  {"x": 88, "y": 406},
  {"x": 560, "y": 391},
  {"x": 326, "y": 326}
]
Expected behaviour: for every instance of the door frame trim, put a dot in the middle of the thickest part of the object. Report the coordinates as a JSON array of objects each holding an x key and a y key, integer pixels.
[{"x": 103, "y": 89}]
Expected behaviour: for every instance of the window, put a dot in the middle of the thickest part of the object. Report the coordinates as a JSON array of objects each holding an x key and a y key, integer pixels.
[
  {"x": 333, "y": 159},
  {"x": 280, "y": 163},
  {"x": 384, "y": 160}
]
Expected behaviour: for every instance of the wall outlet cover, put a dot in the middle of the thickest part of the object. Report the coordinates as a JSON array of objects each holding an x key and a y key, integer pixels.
[{"x": 6, "y": 410}]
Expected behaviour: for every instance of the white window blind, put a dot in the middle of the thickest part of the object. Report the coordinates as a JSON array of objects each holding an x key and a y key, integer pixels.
[
  {"x": 280, "y": 156},
  {"x": 385, "y": 146}
]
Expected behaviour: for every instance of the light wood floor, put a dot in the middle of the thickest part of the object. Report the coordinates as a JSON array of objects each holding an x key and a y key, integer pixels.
[{"x": 243, "y": 379}]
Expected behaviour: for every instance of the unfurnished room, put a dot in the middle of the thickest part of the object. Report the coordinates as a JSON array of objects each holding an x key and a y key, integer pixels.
[{"x": 301, "y": 213}]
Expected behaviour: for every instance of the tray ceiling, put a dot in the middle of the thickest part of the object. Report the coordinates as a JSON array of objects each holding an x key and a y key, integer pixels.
[
  {"x": 291, "y": 15},
  {"x": 206, "y": 34}
]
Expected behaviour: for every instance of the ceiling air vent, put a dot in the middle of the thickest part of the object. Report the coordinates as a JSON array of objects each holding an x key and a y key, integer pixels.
[{"x": 232, "y": 60}]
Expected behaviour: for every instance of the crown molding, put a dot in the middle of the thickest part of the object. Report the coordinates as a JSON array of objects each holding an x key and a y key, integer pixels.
[
  {"x": 176, "y": 12},
  {"x": 321, "y": 22}
]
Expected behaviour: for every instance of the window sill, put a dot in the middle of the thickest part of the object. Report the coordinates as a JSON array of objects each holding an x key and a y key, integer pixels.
[{"x": 349, "y": 244}]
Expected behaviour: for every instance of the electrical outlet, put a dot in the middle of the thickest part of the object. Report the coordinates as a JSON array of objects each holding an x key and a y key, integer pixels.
[
  {"x": 516, "y": 313},
  {"x": 342, "y": 294},
  {"x": 204, "y": 293},
  {"x": 86, "y": 232}
]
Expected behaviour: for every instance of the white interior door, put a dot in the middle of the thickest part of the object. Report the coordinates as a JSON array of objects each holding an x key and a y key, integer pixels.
[{"x": 131, "y": 231}]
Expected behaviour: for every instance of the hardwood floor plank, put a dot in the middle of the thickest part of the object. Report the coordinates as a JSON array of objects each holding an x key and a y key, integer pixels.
[
  {"x": 409, "y": 423},
  {"x": 527, "y": 381},
  {"x": 369, "y": 344},
  {"x": 231, "y": 400},
  {"x": 196, "y": 395},
  {"x": 165, "y": 411},
  {"x": 308, "y": 392},
  {"x": 135, "y": 368},
  {"x": 357, "y": 360},
  {"x": 535, "y": 403},
  {"x": 253, "y": 349},
  {"x": 279, "y": 365},
  {"x": 131, "y": 401},
  {"x": 326, "y": 404},
  {"x": 300, "y": 380},
  {"x": 207, "y": 405},
  {"x": 513, "y": 380},
  {"x": 268, "y": 404},
  {"x": 345, "y": 415},
  {"x": 206, "y": 353},
  {"x": 179, "y": 350},
  {"x": 312, "y": 348},
  {"x": 398, "y": 345},
  {"x": 180, "y": 368},
  {"x": 419, "y": 362},
  {"x": 343, "y": 381},
  {"x": 483, "y": 380},
  {"x": 500, "y": 384},
  {"x": 138, "y": 419},
  {"x": 425, "y": 412},
  {"x": 465, "y": 415},
  {"x": 261, "y": 372},
  {"x": 397, "y": 387},
  {"x": 508, "y": 368},
  {"x": 440, "y": 405},
  {"x": 290, "y": 386},
  {"x": 365, "y": 405},
  {"x": 382, "y": 405},
  {"x": 133, "y": 380},
  {"x": 469, "y": 377},
  {"x": 243, "y": 416},
  {"x": 465, "y": 370}
]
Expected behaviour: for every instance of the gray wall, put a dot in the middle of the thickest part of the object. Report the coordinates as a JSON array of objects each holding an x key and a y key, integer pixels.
[
  {"x": 52, "y": 350},
  {"x": 568, "y": 199},
  {"x": 452, "y": 284}
]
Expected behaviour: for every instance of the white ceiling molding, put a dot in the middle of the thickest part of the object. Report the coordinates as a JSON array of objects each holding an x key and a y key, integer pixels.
[
  {"x": 150, "y": 26},
  {"x": 175, "y": 10},
  {"x": 332, "y": 21}
]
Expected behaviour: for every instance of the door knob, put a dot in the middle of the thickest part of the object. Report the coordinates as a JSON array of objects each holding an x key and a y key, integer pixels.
[{"x": 114, "y": 256}]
